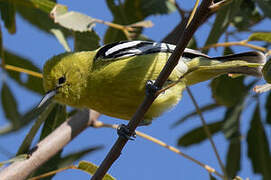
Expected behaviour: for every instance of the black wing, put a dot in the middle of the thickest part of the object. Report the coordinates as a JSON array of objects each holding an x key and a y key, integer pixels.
[{"x": 132, "y": 48}]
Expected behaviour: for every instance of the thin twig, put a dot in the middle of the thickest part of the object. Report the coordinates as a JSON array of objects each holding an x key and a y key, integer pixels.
[
  {"x": 99, "y": 124},
  {"x": 238, "y": 43},
  {"x": 206, "y": 129},
  {"x": 115, "y": 151},
  {"x": 22, "y": 70}
]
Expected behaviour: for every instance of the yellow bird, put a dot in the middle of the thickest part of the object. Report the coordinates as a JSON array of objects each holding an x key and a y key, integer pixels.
[{"x": 112, "y": 79}]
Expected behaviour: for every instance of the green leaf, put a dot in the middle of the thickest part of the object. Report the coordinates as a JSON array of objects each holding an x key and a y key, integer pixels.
[
  {"x": 268, "y": 108},
  {"x": 228, "y": 91},
  {"x": 72, "y": 20},
  {"x": 247, "y": 16},
  {"x": 9, "y": 105},
  {"x": 86, "y": 41},
  {"x": 130, "y": 12},
  {"x": 267, "y": 71},
  {"x": 223, "y": 18},
  {"x": 205, "y": 108},
  {"x": 155, "y": 7},
  {"x": 91, "y": 169},
  {"x": 54, "y": 119},
  {"x": 198, "y": 135},
  {"x": 258, "y": 147},
  {"x": 71, "y": 158},
  {"x": 232, "y": 120},
  {"x": 46, "y": 110},
  {"x": 61, "y": 39},
  {"x": 37, "y": 12},
  {"x": 211, "y": 177},
  {"x": 8, "y": 16},
  {"x": 32, "y": 83},
  {"x": 20, "y": 157},
  {"x": 233, "y": 162},
  {"x": 265, "y": 6},
  {"x": 260, "y": 36}
]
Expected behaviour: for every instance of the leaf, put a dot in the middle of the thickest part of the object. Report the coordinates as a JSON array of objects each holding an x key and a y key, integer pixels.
[
  {"x": 204, "y": 108},
  {"x": 228, "y": 91},
  {"x": 265, "y": 6},
  {"x": 130, "y": 12},
  {"x": 46, "y": 110},
  {"x": 232, "y": 120},
  {"x": 10, "y": 108},
  {"x": 8, "y": 16},
  {"x": 198, "y": 135},
  {"x": 223, "y": 18},
  {"x": 20, "y": 157},
  {"x": 86, "y": 41},
  {"x": 258, "y": 147},
  {"x": 247, "y": 16},
  {"x": 44, "y": 5},
  {"x": 54, "y": 119},
  {"x": 32, "y": 83},
  {"x": 91, "y": 169},
  {"x": 72, "y": 20},
  {"x": 61, "y": 39},
  {"x": 37, "y": 12},
  {"x": 71, "y": 158},
  {"x": 260, "y": 36},
  {"x": 155, "y": 7},
  {"x": 233, "y": 158},
  {"x": 267, "y": 71},
  {"x": 268, "y": 108}
]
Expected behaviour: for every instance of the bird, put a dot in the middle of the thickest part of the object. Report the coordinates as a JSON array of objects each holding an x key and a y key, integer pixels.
[{"x": 112, "y": 79}]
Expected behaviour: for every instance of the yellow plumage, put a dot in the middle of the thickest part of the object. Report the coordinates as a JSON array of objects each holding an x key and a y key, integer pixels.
[{"x": 116, "y": 86}]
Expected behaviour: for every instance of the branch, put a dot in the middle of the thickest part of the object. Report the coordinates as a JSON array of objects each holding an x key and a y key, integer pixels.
[
  {"x": 48, "y": 147},
  {"x": 115, "y": 151}
]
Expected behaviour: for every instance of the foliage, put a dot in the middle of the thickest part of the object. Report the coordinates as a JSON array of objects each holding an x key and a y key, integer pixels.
[{"x": 232, "y": 94}]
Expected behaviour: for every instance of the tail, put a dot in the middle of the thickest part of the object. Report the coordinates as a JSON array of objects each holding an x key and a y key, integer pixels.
[{"x": 250, "y": 57}]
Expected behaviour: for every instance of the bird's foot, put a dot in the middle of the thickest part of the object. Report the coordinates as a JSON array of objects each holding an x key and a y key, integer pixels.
[
  {"x": 124, "y": 132},
  {"x": 151, "y": 89}
]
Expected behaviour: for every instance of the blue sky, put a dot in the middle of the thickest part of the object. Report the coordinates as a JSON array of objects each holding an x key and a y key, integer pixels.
[{"x": 140, "y": 159}]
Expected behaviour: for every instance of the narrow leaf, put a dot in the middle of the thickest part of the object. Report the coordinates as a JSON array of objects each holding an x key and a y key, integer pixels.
[
  {"x": 91, "y": 169},
  {"x": 71, "y": 158},
  {"x": 198, "y": 135},
  {"x": 258, "y": 147},
  {"x": 54, "y": 119},
  {"x": 233, "y": 162},
  {"x": 61, "y": 39},
  {"x": 9, "y": 105},
  {"x": 20, "y": 157},
  {"x": 25, "y": 146},
  {"x": 260, "y": 36},
  {"x": 223, "y": 18},
  {"x": 205, "y": 108},
  {"x": 8, "y": 16},
  {"x": 86, "y": 41},
  {"x": 268, "y": 108},
  {"x": 265, "y": 6}
]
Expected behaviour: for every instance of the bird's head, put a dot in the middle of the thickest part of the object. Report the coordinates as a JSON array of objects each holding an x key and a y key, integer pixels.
[{"x": 65, "y": 77}]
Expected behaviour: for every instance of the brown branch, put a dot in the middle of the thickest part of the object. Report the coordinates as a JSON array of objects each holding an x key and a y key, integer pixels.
[
  {"x": 48, "y": 147},
  {"x": 99, "y": 124},
  {"x": 115, "y": 151}
]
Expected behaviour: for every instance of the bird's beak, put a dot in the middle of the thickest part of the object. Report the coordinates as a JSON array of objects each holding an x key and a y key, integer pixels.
[{"x": 48, "y": 96}]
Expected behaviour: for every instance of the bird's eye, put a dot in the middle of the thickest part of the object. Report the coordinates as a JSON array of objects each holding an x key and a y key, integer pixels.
[{"x": 61, "y": 80}]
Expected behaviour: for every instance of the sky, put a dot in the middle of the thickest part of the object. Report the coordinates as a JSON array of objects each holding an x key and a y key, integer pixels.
[{"x": 140, "y": 159}]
